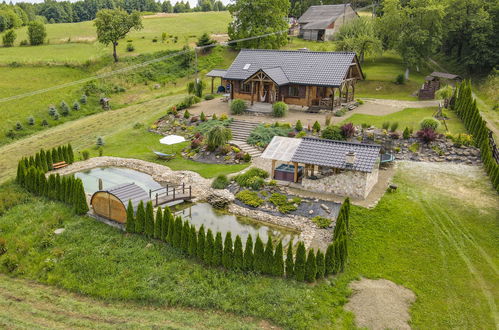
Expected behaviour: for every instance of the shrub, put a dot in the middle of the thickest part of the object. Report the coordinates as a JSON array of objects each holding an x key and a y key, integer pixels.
[
  {"x": 301, "y": 134},
  {"x": 196, "y": 143},
  {"x": 64, "y": 108},
  {"x": 223, "y": 117},
  {"x": 256, "y": 183},
  {"x": 240, "y": 155},
  {"x": 31, "y": 121},
  {"x": 461, "y": 139},
  {"x": 282, "y": 203},
  {"x": 279, "y": 109},
  {"x": 237, "y": 107},
  {"x": 187, "y": 115},
  {"x": 340, "y": 113},
  {"x": 320, "y": 262},
  {"x": 217, "y": 250},
  {"x": 247, "y": 157},
  {"x": 290, "y": 264},
  {"x": 196, "y": 87},
  {"x": 311, "y": 267},
  {"x": 220, "y": 182},
  {"x": 430, "y": 123},
  {"x": 427, "y": 135},
  {"x": 228, "y": 252},
  {"x": 218, "y": 136},
  {"x": 226, "y": 149},
  {"x": 100, "y": 141},
  {"x": 298, "y": 126},
  {"x": 400, "y": 79},
  {"x": 316, "y": 127},
  {"x": 208, "y": 97},
  {"x": 360, "y": 101},
  {"x": 236, "y": 149},
  {"x": 238, "y": 253},
  {"x": 395, "y": 135},
  {"x": 406, "y": 134},
  {"x": 332, "y": 133},
  {"x": 8, "y": 38},
  {"x": 348, "y": 130},
  {"x": 45, "y": 122},
  {"x": 36, "y": 33},
  {"x": 250, "y": 198},
  {"x": 394, "y": 126},
  {"x": 76, "y": 106},
  {"x": 85, "y": 154},
  {"x": 262, "y": 135},
  {"x": 244, "y": 178},
  {"x": 385, "y": 125},
  {"x": 52, "y": 110},
  {"x": 138, "y": 125},
  {"x": 83, "y": 99},
  {"x": 291, "y": 134},
  {"x": 321, "y": 222},
  {"x": 202, "y": 117},
  {"x": 130, "y": 47},
  {"x": 19, "y": 126},
  {"x": 300, "y": 262},
  {"x": 194, "y": 119},
  {"x": 56, "y": 116},
  {"x": 24, "y": 43}
]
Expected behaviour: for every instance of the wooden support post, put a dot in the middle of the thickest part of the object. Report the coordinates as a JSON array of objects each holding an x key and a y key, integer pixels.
[
  {"x": 332, "y": 100},
  {"x": 346, "y": 95},
  {"x": 313, "y": 168},
  {"x": 183, "y": 187},
  {"x": 252, "y": 92},
  {"x": 273, "y": 168},
  {"x": 190, "y": 192},
  {"x": 156, "y": 199},
  {"x": 296, "y": 172},
  {"x": 212, "y": 82},
  {"x": 166, "y": 190}
]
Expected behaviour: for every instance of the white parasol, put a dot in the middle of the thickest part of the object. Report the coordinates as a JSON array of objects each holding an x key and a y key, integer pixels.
[{"x": 172, "y": 139}]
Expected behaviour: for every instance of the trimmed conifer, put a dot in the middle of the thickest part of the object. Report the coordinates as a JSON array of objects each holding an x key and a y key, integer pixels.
[
  {"x": 171, "y": 230},
  {"x": 228, "y": 252},
  {"x": 329, "y": 261},
  {"x": 140, "y": 218},
  {"x": 20, "y": 173},
  {"x": 201, "y": 240},
  {"x": 48, "y": 158},
  {"x": 311, "y": 267},
  {"x": 186, "y": 235},
  {"x": 149, "y": 225},
  {"x": 43, "y": 160},
  {"x": 218, "y": 250},
  {"x": 130, "y": 218},
  {"x": 166, "y": 218},
  {"x": 81, "y": 206},
  {"x": 158, "y": 224},
  {"x": 319, "y": 261},
  {"x": 290, "y": 263},
  {"x": 208, "y": 248},
  {"x": 238, "y": 253},
  {"x": 71, "y": 155},
  {"x": 278, "y": 269},
  {"x": 38, "y": 162},
  {"x": 193, "y": 242},
  {"x": 300, "y": 262},
  {"x": 259, "y": 256},
  {"x": 248, "y": 254},
  {"x": 177, "y": 233},
  {"x": 268, "y": 264}
]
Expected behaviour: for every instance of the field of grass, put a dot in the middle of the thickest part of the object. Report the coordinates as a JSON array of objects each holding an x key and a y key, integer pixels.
[
  {"x": 434, "y": 241},
  {"x": 411, "y": 118},
  {"x": 82, "y": 45}
]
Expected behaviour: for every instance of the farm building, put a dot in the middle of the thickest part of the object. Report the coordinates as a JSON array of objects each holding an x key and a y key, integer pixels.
[
  {"x": 112, "y": 203},
  {"x": 320, "y": 23},
  {"x": 302, "y": 78},
  {"x": 326, "y": 166}
]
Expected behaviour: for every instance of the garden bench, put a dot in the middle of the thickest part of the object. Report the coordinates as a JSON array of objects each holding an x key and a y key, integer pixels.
[
  {"x": 58, "y": 165},
  {"x": 164, "y": 156}
]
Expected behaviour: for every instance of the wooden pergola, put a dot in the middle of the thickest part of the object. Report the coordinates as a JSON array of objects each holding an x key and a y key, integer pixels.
[{"x": 216, "y": 74}]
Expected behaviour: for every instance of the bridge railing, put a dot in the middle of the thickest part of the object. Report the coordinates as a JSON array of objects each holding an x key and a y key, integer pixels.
[{"x": 172, "y": 192}]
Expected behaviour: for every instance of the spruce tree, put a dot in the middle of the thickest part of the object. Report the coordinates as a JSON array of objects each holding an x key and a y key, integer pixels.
[
  {"x": 177, "y": 233},
  {"x": 329, "y": 261},
  {"x": 158, "y": 224},
  {"x": 149, "y": 225},
  {"x": 311, "y": 267},
  {"x": 248, "y": 254},
  {"x": 300, "y": 262},
  {"x": 208, "y": 248},
  {"x": 238, "y": 253},
  {"x": 201, "y": 243},
  {"x": 290, "y": 263},
  {"x": 71, "y": 155},
  {"x": 278, "y": 269},
  {"x": 268, "y": 263},
  {"x": 186, "y": 235},
  {"x": 319, "y": 261},
  {"x": 193, "y": 242},
  {"x": 228, "y": 252},
  {"x": 259, "y": 256},
  {"x": 130, "y": 218},
  {"x": 140, "y": 219},
  {"x": 218, "y": 250}
]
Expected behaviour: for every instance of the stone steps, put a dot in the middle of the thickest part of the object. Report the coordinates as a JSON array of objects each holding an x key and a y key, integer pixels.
[
  {"x": 241, "y": 130},
  {"x": 254, "y": 152}
]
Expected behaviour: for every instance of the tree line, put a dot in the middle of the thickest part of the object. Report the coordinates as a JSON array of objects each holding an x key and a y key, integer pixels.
[{"x": 214, "y": 250}]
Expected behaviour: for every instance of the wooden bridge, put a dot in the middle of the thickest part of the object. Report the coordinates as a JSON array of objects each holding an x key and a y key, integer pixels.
[{"x": 170, "y": 193}]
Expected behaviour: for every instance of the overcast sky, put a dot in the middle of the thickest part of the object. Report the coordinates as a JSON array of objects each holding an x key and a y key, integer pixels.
[{"x": 193, "y": 2}]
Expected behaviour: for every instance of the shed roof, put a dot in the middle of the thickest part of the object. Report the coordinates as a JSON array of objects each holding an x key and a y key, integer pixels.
[
  {"x": 322, "y": 13},
  {"x": 281, "y": 148},
  {"x": 445, "y": 75},
  {"x": 299, "y": 67},
  {"x": 331, "y": 153},
  {"x": 318, "y": 25},
  {"x": 128, "y": 191},
  {"x": 216, "y": 73}
]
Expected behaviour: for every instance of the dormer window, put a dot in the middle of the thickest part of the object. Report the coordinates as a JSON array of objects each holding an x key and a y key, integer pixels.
[
  {"x": 246, "y": 67},
  {"x": 350, "y": 158}
]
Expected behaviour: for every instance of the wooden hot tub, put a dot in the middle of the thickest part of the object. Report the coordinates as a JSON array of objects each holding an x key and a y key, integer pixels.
[{"x": 285, "y": 172}]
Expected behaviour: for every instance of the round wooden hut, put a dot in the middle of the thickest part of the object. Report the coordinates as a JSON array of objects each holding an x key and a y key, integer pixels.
[{"x": 112, "y": 203}]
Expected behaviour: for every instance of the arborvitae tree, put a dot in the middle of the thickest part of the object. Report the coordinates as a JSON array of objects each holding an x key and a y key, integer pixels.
[
  {"x": 248, "y": 254},
  {"x": 269, "y": 257},
  {"x": 238, "y": 253},
  {"x": 158, "y": 224},
  {"x": 208, "y": 248},
  {"x": 32, "y": 161},
  {"x": 290, "y": 263},
  {"x": 329, "y": 261},
  {"x": 218, "y": 250},
  {"x": 166, "y": 217},
  {"x": 228, "y": 253},
  {"x": 55, "y": 156},
  {"x": 65, "y": 154},
  {"x": 42, "y": 183},
  {"x": 278, "y": 269},
  {"x": 319, "y": 260},
  {"x": 149, "y": 225},
  {"x": 81, "y": 206},
  {"x": 300, "y": 262},
  {"x": 177, "y": 233},
  {"x": 140, "y": 220},
  {"x": 201, "y": 243},
  {"x": 193, "y": 242},
  {"x": 43, "y": 160},
  {"x": 299, "y": 126},
  {"x": 337, "y": 257},
  {"x": 60, "y": 152},
  {"x": 38, "y": 162},
  {"x": 311, "y": 267},
  {"x": 259, "y": 256},
  {"x": 186, "y": 235},
  {"x": 51, "y": 187},
  {"x": 71, "y": 155},
  {"x": 130, "y": 218},
  {"x": 20, "y": 173}
]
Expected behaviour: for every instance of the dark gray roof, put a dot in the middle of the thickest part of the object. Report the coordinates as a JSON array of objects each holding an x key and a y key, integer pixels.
[
  {"x": 277, "y": 75},
  {"x": 216, "y": 73},
  {"x": 322, "y": 13},
  {"x": 129, "y": 191},
  {"x": 317, "y": 25},
  {"x": 330, "y": 153},
  {"x": 299, "y": 67}
]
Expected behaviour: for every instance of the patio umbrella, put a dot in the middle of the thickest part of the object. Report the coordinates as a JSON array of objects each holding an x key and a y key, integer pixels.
[{"x": 171, "y": 140}]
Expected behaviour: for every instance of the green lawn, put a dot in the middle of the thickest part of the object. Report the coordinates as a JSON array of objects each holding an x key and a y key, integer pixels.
[
  {"x": 187, "y": 27},
  {"x": 410, "y": 117}
]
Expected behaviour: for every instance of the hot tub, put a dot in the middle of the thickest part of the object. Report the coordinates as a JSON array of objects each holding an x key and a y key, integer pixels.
[{"x": 286, "y": 172}]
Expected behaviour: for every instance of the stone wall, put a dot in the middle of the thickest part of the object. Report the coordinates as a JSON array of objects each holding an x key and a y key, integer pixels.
[{"x": 347, "y": 183}]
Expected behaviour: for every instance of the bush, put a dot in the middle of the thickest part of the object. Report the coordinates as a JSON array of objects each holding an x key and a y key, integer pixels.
[
  {"x": 45, "y": 122},
  {"x": 36, "y": 33},
  {"x": 301, "y": 134},
  {"x": 83, "y": 99},
  {"x": 247, "y": 157},
  {"x": 244, "y": 179},
  {"x": 340, "y": 113},
  {"x": 24, "y": 43},
  {"x": 406, "y": 134},
  {"x": 8, "y": 38},
  {"x": 348, "y": 130},
  {"x": 187, "y": 115},
  {"x": 76, "y": 106},
  {"x": 427, "y": 135},
  {"x": 218, "y": 136},
  {"x": 360, "y": 101},
  {"x": 291, "y": 134},
  {"x": 196, "y": 143},
  {"x": 430, "y": 123},
  {"x": 19, "y": 126},
  {"x": 282, "y": 203},
  {"x": 298, "y": 126},
  {"x": 400, "y": 79},
  {"x": 237, "y": 107},
  {"x": 385, "y": 125},
  {"x": 279, "y": 109},
  {"x": 250, "y": 198},
  {"x": 223, "y": 117},
  {"x": 220, "y": 182},
  {"x": 321, "y": 222},
  {"x": 226, "y": 149},
  {"x": 394, "y": 126},
  {"x": 31, "y": 121},
  {"x": 52, "y": 110},
  {"x": 316, "y": 127},
  {"x": 85, "y": 154},
  {"x": 208, "y": 97},
  {"x": 256, "y": 183},
  {"x": 100, "y": 141},
  {"x": 262, "y": 135},
  {"x": 202, "y": 117},
  {"x": 64, "y": 108},
  {"x": 332, "y": 133},
  {"x": 461, "y": 139},
  {"x": 130, "y": 47}
]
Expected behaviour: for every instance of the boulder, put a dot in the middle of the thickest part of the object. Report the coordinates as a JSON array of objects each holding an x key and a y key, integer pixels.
[{"x": 220, "y": 198}]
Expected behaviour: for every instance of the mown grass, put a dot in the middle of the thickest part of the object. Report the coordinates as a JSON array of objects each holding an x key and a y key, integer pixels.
[
  {"x": 82, "y": 45},
  {"x": 439, "y": 244},
  {"x": 410, "y": 117}
]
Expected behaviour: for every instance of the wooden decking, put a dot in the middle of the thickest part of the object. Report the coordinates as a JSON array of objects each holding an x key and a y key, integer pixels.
[{"x": 170, "y": 194}]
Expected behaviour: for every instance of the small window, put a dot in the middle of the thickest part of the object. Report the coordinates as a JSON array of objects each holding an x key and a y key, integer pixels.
[
  {"x": 294, "y": 91},
  {"x": 246, "y": 66},
  {"x": 245, "y": 87}
]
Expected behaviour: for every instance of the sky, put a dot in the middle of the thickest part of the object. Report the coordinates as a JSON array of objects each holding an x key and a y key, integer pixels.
[{"x": 193, "y": 2}]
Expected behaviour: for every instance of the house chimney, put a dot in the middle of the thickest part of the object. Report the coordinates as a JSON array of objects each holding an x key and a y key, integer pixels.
[
  {"x": 305, "y": 49},
  {"x": 350, "y": 158}
]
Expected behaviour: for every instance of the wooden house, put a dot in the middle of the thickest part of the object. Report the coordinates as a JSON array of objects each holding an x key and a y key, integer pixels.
[
  {"x": 320, "y": 23},
  {"x": 303, "y": 78}
]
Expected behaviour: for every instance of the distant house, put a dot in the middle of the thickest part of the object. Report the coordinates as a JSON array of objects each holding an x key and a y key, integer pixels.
[
  {"x": 302, "y": 78},
  {"x": 320, "y": 23}
]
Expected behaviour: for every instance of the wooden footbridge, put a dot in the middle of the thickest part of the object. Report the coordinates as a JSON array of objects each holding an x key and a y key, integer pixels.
[{"x": 170, "y": 193}]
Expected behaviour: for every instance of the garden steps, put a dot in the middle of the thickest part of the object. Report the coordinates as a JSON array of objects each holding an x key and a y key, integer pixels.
[
  {"x": 241, "y": 130},
  {"x": 254, "y": 152}
]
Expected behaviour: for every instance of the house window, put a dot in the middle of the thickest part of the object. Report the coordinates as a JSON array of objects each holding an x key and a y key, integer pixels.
[
  {"x": 294, "y": 91},
  {"x": 245, "y": 87}
]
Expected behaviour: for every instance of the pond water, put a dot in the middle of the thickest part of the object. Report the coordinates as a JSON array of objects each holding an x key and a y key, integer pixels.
[
  {"x": 223, "y": 222},
  {"x": 113, "y": 176}
]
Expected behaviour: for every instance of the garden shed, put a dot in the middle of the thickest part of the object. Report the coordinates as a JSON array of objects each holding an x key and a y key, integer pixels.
[{"x": 112, "y": 203}]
